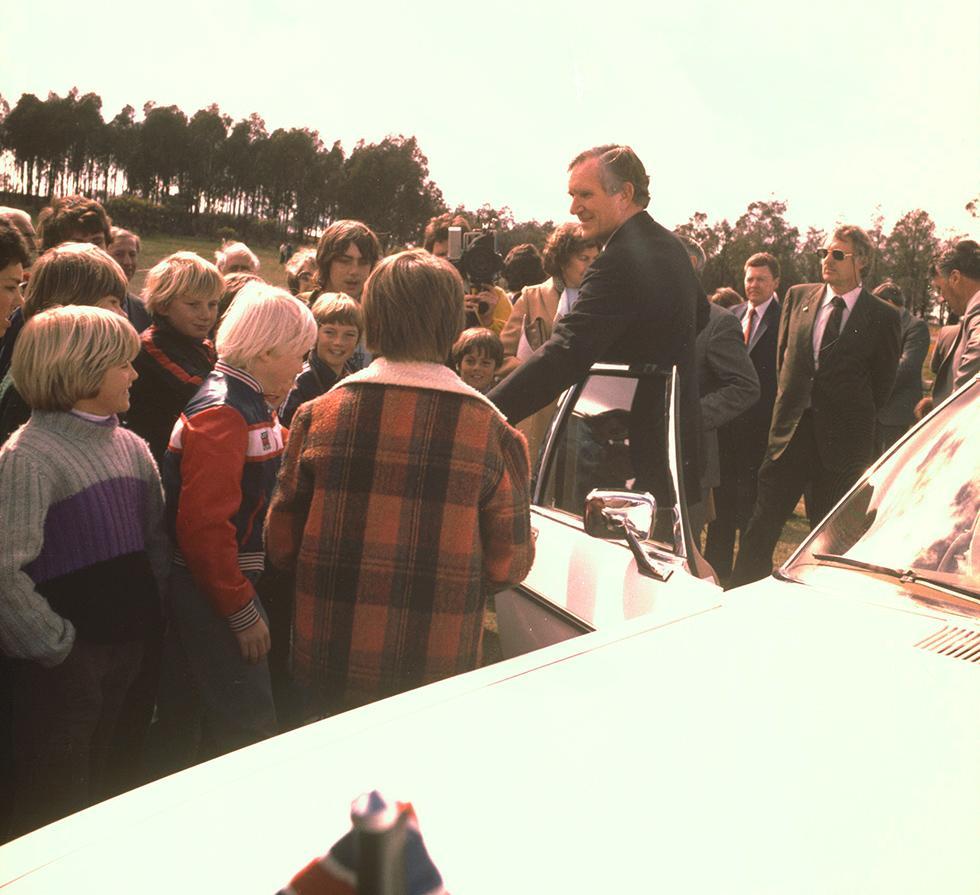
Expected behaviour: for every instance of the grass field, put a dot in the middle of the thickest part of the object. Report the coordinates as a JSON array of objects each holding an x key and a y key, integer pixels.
[{"x": 156, "y": 247}]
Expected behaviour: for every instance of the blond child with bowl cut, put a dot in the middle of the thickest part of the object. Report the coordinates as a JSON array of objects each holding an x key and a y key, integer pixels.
[
  {"x": 218, "y": 473},
  {"x": 182, "y": 293},
  {"x": 81, "y": 559}
]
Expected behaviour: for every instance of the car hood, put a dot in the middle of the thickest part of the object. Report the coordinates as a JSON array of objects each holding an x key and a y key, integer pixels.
[{"x": 791, "y": 740}]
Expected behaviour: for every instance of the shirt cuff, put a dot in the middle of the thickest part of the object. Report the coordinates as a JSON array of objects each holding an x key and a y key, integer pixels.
[{"x": 244, "y": 618}]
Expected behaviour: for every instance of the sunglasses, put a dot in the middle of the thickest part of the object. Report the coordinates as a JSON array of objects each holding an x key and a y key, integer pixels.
[{"x": 836, "y": 254}]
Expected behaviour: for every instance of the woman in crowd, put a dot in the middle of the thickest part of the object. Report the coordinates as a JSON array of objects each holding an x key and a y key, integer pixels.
[
  {"x": 301, "y": 272},
  {"x": 218, "y": 472},
  {"x": 181, "y": 294},
  {"x": 339, "y": 326},
  {"x": 567, "y": 256},
  {"x": 403, "y": 498},
  {"x": 82, "y": 559},
  {"x": 73, "y": 273}
]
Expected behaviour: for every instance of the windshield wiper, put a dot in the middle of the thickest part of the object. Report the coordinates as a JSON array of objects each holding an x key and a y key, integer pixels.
[{"x": 907, "y": 576}]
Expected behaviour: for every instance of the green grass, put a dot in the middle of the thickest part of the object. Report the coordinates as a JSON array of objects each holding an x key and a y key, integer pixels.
[{"x": 156, "y": 247}]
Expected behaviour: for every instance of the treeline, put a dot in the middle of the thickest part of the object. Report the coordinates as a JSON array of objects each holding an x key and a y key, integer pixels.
[
  {"x": 208, "y": 175},
  {"x": 903, "y": 255},
  {"x": 206, "y": 164}
]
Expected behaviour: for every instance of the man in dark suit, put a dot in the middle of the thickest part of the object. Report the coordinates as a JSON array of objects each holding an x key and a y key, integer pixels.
[
  {"x": 640, "y": 303},
  {"x": 898, "y": 413},
  {"x": 742, "y": 443},
  {"x": 836, "y": 358}
]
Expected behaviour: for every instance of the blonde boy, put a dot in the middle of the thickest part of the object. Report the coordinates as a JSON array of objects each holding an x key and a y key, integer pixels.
[{"x": 82, "y": 556}]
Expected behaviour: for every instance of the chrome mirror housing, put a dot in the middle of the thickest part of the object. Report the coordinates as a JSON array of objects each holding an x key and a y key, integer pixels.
[{"x": 609, "y": 515}]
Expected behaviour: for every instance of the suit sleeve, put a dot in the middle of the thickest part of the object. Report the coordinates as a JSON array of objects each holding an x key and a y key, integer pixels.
[
  {"x": 915, "y": 347},
  {"x": 968, "y": 364},
  {"x": 603, "y": 311},
  {"x": 885, "y": 360},
  {"x": 728, "y": 358}
]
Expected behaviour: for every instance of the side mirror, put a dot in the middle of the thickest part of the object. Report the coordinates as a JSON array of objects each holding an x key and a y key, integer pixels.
[
  {"x": 619, "y": 515},
  {"x": 610, "y": 514}
]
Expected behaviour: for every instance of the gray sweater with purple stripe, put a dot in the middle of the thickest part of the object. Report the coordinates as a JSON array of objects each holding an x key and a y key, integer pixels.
[{"x": 82, "y": 550}]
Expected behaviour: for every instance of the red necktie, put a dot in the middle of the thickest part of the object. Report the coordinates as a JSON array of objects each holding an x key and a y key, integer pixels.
[{"x": 748, "y": 326}]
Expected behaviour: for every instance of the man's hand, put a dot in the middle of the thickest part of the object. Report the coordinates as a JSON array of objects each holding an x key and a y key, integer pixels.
[
  {"x": 254, "y": 642},
  {"x": 922, "y": 408},
  {"x": 490, "y": 299}
]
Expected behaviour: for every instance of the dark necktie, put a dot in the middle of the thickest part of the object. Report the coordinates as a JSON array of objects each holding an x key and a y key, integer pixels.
[
  {"x": 832, "y": 331},
  {"x": 748, "y": 325}
]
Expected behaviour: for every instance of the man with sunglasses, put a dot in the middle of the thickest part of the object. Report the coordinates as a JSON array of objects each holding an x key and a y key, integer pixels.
[{"x": 836, "y": 358}]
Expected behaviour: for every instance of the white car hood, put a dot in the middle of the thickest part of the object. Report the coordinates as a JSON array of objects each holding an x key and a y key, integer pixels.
[{"x": 789, "y": 741}]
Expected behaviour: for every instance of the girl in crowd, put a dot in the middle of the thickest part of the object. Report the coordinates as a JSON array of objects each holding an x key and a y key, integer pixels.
[
  {"x": 82, "y": 558},
  {"x": 218, "y": 472},
  {"x": 73, "y": 273},
  {"x": 477, "y": 355},
  {"x": 403, "y": 498},
  {"x": 181, "y": 294},
  {"x": 339, "y": 326}
]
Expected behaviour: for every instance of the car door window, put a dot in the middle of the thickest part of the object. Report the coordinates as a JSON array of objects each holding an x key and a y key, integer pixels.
[{"x": 591, "y": 448}]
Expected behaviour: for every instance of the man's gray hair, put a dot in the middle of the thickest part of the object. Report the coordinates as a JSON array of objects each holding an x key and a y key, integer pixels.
[{"x": 618, "y": 165}]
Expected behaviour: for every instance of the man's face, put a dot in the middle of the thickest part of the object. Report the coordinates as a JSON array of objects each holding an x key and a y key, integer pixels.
[
  {"x": 841, "y": 275},
  {"x": 125, "y": 250},
  {"x": 599, "y": 213},
  {"x": 759, "y": 284},
  {"x": 440, "y": 248},
  {"x": 348, "y": 271},
  {"x": 10, "y": 278},
  {"x": 948, "y": 289}
]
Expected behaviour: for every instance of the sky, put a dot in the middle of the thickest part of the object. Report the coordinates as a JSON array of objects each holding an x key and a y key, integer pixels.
[{"x": 844, "y": 110}]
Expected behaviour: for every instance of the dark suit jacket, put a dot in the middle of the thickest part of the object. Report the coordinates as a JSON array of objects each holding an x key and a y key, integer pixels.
[
  {"x": 750, "y": 431},
  {"x": 853, "y": 381},
  {"x": 640, "y": 303},
  {"x": 907, "y": 391}
]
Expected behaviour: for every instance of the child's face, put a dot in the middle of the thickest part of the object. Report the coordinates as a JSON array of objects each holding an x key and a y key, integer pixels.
[
  {"x": 113, "y": 394},
  {"x": 191, "y": 316},
  {"x": 476, "y": 369},
  {"x": 335, "y": 343}
]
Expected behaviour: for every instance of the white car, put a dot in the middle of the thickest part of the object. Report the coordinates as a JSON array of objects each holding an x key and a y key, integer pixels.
[
  {"x": 579, "y": 583},
  {"x": 816, "y": 732}
]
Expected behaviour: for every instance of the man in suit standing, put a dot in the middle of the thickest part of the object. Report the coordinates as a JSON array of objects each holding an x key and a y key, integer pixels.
[
  {"x": 742, "y": 443},
  {"x": 956, "y": 277},
  {"x": 836, "y": 358},
  {"x": 898, "y": 413},
  {"x": 640, "y": 303}
]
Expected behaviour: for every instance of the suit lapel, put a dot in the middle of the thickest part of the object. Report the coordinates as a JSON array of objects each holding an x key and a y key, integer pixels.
[
  {"x": 764, "y": 323},
  {"x": 808, "y": 313}
]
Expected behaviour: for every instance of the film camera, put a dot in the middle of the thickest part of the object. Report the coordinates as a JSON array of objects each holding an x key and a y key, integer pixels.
[{"x": 474, "y": 254}]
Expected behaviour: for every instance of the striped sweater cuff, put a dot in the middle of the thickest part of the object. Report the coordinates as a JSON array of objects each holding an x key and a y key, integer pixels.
[{"x": 244, "y": 618}]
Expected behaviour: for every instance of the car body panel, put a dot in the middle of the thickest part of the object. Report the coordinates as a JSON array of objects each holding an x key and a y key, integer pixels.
[{"x": 795, "y": 740}]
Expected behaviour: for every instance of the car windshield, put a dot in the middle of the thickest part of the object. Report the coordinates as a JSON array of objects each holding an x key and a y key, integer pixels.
[{"x": 917, "y": 513}]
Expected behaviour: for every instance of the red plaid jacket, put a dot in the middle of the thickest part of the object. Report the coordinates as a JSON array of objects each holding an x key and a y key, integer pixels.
[{"x": 403, "y": 499}]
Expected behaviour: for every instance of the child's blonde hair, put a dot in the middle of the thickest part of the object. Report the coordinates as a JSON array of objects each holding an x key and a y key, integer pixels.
[
  {"x": 63, "y": 354},
  {"x": 182, "y": 273},
  {"x": 263, "y": 317}
]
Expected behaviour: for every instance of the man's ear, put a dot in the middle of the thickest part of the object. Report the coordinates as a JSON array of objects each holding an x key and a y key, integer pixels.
[{"x": 628, "y": 192}]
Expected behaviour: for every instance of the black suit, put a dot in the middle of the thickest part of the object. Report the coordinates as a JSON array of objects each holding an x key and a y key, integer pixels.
[
  {"x": 640, "y": 303},
  {"x": 823, "y": 421},
  {"x": 742, "y": 445}
]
